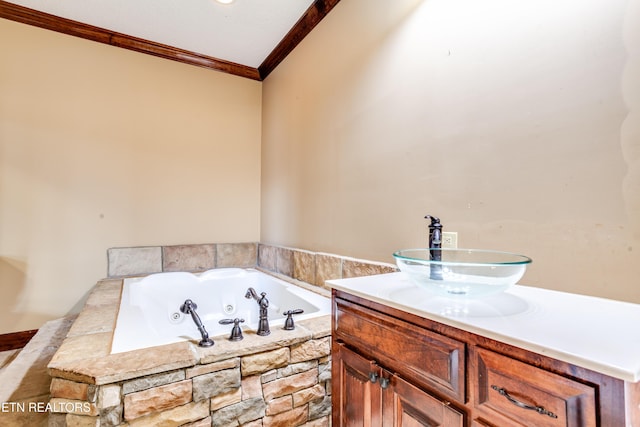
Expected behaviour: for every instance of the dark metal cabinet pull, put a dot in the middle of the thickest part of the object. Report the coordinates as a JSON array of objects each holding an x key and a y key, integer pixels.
[
  {"x": 523, "y": 405},
  {"x": 384, "y": 383},
  {"x": 373, "y": 377}
]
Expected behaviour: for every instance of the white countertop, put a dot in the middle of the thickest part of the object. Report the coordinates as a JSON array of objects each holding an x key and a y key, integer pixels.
[{"x": 595, "y": 333}]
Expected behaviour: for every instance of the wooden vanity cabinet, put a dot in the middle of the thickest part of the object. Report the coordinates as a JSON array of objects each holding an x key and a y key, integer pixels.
[
  {"x": 372, "y": 396},
  {"x": 392, "y": 368}
]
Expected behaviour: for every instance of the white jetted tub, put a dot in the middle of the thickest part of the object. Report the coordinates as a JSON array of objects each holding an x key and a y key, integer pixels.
[{"x": 150, "y": 313}]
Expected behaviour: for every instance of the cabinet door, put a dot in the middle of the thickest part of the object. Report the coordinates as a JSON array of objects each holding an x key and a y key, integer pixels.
[
  {"x": 408, "y": 406},
  {"x": 357, "y": 401}
]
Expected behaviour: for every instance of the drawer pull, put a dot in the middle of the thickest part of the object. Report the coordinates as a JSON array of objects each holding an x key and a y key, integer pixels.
[{"x": 538, "y": 409}]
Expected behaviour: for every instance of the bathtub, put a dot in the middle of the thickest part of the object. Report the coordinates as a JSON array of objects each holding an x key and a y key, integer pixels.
[{"x": 150, "y": 315}]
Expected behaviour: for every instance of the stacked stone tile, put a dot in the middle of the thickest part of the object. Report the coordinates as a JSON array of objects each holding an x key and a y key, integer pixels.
[
  {"x": 313, "y": 268},
  {"x": 279, "y": 380},
  {"x": 284, "y": 387}
]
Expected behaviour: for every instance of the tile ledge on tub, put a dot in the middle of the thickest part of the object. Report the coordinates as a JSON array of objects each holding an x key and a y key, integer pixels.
[
  {"x": 123, "y": 366},
  {"x": 308, "y": 286}
]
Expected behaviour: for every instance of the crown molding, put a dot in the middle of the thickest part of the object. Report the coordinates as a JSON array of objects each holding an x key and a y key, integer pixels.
[{"x": 316, "y": 12}]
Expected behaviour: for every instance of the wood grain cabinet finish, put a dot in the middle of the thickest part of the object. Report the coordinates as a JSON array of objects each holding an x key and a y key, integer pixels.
[
  {"x": 370, "y": 396},
  {"x": 392, "y": 368},
  {"x": 360, "y": 398},
  {"x": 519, "y": 394},
  {"x": 428, "y": 358},
  {"x": 406, "y": 405}
]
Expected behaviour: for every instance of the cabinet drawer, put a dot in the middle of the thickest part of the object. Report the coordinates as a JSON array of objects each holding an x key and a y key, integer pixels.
[
  {"x": 528, "y": 396},
  {"x": 427, "y": 358}
]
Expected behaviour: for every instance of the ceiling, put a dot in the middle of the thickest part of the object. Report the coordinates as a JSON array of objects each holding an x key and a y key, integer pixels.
[{"x": 247, "y": 37}]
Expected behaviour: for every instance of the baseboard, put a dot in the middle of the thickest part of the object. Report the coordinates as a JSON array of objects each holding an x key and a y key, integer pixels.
[{"x": 16, "y": 340}]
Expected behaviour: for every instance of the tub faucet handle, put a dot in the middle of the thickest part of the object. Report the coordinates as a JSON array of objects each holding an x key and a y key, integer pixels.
[
  {"x": 288, "y": 323},
  {"x": 236, "y": 331}
]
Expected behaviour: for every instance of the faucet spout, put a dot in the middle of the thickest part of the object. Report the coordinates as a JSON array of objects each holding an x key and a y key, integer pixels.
[
  {"x": 251, "y": 293},
  {"x": 435, "y": 246},
  {"x": 263, "y": 303},
  {"x": 435, "y": 233}
]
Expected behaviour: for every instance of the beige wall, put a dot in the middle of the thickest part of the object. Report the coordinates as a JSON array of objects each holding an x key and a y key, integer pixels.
[
  {"x": 102, "y": 147},
  {"x": 518, "y": 123},
  {"x": 519, "y": 127}
]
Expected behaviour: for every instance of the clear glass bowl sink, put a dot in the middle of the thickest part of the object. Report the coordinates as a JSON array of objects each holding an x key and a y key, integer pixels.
[{"x": 462, "y": 272}]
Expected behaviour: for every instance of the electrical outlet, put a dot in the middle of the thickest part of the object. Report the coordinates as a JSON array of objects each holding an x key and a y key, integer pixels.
[{"x": 450, "y": 239}]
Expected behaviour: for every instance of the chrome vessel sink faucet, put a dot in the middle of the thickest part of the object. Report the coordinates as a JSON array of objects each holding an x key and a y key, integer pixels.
[{"x": 263, "y": 302}]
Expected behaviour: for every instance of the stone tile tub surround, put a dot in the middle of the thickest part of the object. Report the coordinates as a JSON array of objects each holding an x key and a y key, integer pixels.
[
  {"x": 305, "y": 266},
  {"x": 279, "y": 380},
  {"x": 134, "y": 261}
]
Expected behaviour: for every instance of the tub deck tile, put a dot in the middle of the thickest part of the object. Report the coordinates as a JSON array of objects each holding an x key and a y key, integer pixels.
[
  {"x": 106, "y": 292},
  {"x": 95, "y": 319},
  {"x": 101, "y": 309},
  {"x": 319, "y": 327},
  {"x": 111, "y": 368},
  {"x": 81, "y": 347},
  {"x": 252, "y": 343}
]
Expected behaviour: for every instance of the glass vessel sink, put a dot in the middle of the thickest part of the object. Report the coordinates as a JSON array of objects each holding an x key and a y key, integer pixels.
[{"x": 462, "y": 272}]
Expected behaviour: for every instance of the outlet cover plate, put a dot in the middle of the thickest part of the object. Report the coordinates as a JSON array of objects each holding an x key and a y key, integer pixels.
[{"x": 450, "y": 239}]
